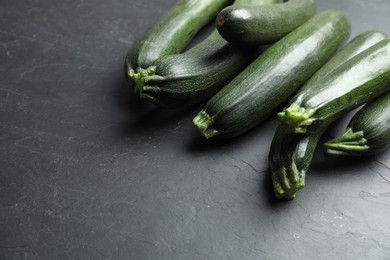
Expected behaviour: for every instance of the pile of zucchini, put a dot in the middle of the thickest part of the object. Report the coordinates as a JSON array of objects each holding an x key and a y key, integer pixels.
[{"x": 302, "y": 71}]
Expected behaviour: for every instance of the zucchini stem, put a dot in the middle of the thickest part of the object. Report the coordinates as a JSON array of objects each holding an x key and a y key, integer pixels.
[
  {"x": 295, "y": 119},
  {"x": 138, "y": 78},
  {"x": 203, "y": 122},
  {"x": 287, "y": 181},
  {"x": 349, "y": 144}
]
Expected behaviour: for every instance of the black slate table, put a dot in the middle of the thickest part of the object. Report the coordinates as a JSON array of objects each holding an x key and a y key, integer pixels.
[{"x": 89, "y": 172}]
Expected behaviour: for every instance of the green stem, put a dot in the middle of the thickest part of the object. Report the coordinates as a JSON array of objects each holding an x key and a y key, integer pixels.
[
  {"x": 295, "y": 119},
  {"x": 203, "y": 123},
  {"x": 138, "y": 78},
  {"x": 287, "y": 181},
  {"x": 349, "y": 144}
]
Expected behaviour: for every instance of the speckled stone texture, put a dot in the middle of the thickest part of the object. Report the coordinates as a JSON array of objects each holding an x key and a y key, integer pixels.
[{"x": 89, "y": 172}]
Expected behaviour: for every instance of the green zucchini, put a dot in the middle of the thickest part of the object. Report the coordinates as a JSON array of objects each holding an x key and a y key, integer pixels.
[
  {"x": 170, "y": 35},
  {"x": 368, "y": 133},
  {"x": 289, "y": 158},
  {"x": 291, "y": 154},
  {"x": 188, "y": 78},
  {"x": 263, "y": 24},
  {"x": 271, "y": 80},
  {"x": 323, "y": 100}
]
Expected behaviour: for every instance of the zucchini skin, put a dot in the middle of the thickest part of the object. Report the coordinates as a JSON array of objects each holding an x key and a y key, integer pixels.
[
  {"x": 181, "y": 80},
  {"x": 185, "y": 79},
  {"x": 357, "y": 45},
  {"x": 290, "y": 155},
  {"x": 322, "y": 100},
  {"x": 172, "y": 32},
  {"x": 263, "y": 24},
  {"x": 368, "y": 132},
  {"x": 271, "y": 80}
]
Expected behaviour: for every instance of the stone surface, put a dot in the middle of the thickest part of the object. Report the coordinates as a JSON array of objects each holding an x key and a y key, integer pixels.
[{"x": 89, "y": 172}]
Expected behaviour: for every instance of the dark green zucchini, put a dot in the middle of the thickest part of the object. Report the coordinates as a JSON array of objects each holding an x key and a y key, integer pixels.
[
  {"x": 368, "y": 133},
  {"x": 271, "y": 80},
  {"x": 170, "y": 34},
  {"x": 290, "y": 158},
  {"x": 291, "y": 154},
  {"x": 323, "y": 100},
  {"x": 357, "y": 45},
  {"x": 263, "y": 24},
  {"x": 188, "y": 78}
]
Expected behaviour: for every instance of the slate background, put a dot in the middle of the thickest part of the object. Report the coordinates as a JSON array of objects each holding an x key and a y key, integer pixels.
[{"x": 89, "y": 172}]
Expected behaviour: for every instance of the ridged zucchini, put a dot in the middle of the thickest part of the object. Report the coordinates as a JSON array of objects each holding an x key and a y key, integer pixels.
[
  {"x": 170, "y": 34},
  {"x": 271, "y": 80},
  {"x": 290, "y": 158},
  {"x": 188, "y": 78},
  {"x": 368, "y": 132},
  {"x": 263, "y": 24},
  {"x": 291, "y": 154},
  {"x": 323, "y": 100}
]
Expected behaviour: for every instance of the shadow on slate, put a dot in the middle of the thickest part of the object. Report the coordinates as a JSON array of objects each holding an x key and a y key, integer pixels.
[
  {"x": 331, "y": 163},
  {"x": 125, "y": 98},
  {"x": 142, "y": 116},
  {"x": 199, "y": 144}
]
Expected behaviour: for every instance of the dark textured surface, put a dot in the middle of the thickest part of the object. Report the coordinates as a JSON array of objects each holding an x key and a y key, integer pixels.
[{"x": 88, "y": 172}]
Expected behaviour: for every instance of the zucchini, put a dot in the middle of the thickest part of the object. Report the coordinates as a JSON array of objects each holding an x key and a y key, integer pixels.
[
  {"x": 170, "y": 35},
  {"x": 368, "y": 133},
  {"x": 289, "y": 158},
  {"x": 291, "y": 154},
  {"x": 271, "y": 80},
  {"x": 323, "y": 100},
  {"x": 263, "y": 24},
  {"x": 188, "y": 78}
]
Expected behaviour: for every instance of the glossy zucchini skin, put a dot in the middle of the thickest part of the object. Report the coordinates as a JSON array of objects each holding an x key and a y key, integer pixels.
[
  {"x": 368, "y": 132},
  {"x": 323, "y": 100},
  {"x": 263, "y": 24},
  {"x": 172, "y": 32},
  {"x": 185, "y": 79},
  {"x": 357, "y": 45},
  {"x": 291, "y": 154},
  {"x": 271, "y": 80},
  {"x": 181, "y": 80}
]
